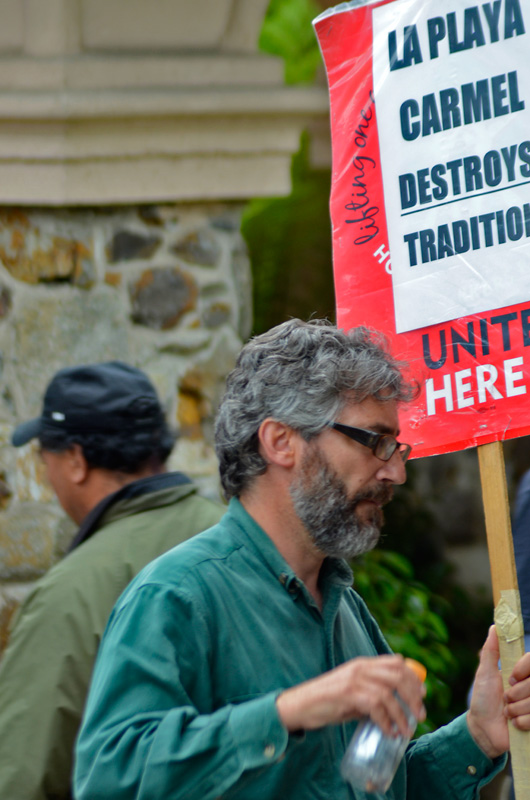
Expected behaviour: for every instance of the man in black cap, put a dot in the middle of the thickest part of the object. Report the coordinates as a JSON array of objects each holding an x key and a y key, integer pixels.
[{"x": 104, "y": 442}]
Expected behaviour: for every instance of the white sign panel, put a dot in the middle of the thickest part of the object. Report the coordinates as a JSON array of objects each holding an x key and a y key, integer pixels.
[{"x": 452, "y": 92}]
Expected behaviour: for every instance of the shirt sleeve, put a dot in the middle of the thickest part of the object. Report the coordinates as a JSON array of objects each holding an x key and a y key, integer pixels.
[
  {"x": 143, "y": 736},
  {"x": 448, "y": 764},
  {"x": 44, "y": 675}
]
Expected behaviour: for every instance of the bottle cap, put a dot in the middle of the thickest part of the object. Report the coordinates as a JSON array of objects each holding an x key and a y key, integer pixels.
[{"x": 418, "y": 669}]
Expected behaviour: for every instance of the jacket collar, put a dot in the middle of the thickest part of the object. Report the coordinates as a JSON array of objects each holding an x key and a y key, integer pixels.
[{"x": 131, "y": 491}]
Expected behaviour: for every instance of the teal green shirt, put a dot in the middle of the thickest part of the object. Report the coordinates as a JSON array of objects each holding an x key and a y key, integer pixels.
[{"x": 197, "y": 649}]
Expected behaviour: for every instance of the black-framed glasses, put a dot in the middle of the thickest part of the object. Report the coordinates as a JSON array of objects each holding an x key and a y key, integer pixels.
[{"x": 382, "y": 445}]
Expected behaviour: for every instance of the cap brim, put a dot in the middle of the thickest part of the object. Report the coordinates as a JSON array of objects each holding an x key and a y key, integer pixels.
[{"x": 25, "y": 432}]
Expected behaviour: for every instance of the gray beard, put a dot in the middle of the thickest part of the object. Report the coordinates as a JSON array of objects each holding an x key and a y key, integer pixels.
[{"x": 329, "y": 515}]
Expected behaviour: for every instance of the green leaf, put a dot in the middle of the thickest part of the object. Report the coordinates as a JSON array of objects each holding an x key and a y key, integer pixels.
[
  {"x": 287, "y": 31},
  {"x": 407, "y": 612}
]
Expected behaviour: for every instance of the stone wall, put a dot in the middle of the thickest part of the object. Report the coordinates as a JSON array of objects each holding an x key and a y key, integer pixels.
[{"x": 164, "y": 287}]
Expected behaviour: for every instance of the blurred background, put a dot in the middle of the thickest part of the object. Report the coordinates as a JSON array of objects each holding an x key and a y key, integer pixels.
[{"x": 164, "y": 187}]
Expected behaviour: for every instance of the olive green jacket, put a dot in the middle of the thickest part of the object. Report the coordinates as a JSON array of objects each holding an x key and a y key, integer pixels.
[{"x": 46, "y": 669}]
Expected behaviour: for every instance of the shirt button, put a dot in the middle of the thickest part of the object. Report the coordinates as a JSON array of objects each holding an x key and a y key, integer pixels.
[
  {"x": 269, "y": 751},
  {"x": 471, "y": 770}
]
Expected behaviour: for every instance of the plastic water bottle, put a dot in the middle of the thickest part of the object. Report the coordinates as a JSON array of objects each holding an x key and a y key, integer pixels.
[{"x": 372, "y": 758}]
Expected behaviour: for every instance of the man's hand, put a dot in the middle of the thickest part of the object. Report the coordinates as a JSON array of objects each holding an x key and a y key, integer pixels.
[
  {"x": 491, "y": 707},
  {"x": 362, "y": 687}
]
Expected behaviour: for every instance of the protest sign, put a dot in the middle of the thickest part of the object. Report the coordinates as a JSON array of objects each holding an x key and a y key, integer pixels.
[
  {"x": 430, "y": 203},
  {"x": 430, "y": 212}
]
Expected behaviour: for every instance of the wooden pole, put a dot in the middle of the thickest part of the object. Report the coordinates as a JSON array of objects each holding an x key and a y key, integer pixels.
[{"x": 508, "y": 618}]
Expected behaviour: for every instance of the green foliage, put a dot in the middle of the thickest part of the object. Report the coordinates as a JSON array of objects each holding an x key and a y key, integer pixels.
[
  {"x": 289, "y": 243},
  {"x": 412, "y": 620},
  {"x": 289, "y": 238},
  {"x": 287, "y": 32},
  {"x": 412, "y": 530}
]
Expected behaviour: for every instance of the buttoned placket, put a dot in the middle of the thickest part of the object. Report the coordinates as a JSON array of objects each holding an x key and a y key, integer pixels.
[
  {"x": 330, "y": 610},
  {"x": 326, "y": 617}
]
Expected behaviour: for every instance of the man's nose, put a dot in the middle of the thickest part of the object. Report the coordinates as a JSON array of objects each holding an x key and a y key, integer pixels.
[{"x": 393, "y": 470}]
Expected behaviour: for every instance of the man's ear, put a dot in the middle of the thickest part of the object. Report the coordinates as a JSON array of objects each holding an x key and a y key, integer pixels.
[
  {"x": 278, "y": 443},
  {"x": 77, "y": 464}
]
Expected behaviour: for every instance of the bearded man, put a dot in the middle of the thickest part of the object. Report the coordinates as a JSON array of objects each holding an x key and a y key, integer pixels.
[{"x": 238, "y": 664}]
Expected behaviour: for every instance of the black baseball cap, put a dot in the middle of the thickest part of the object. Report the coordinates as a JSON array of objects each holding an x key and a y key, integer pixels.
[{"x": 93, "y": 398}]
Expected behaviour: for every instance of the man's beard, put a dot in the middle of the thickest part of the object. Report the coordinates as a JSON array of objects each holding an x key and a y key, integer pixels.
[{"x": 321, "y": 502}]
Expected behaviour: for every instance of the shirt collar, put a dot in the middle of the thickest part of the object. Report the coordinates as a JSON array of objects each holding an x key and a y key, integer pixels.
[{"x": 334, "y": 570}]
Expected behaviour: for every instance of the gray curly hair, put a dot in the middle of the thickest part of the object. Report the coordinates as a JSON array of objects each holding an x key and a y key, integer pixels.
[{"x": 298, "y": 373}]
